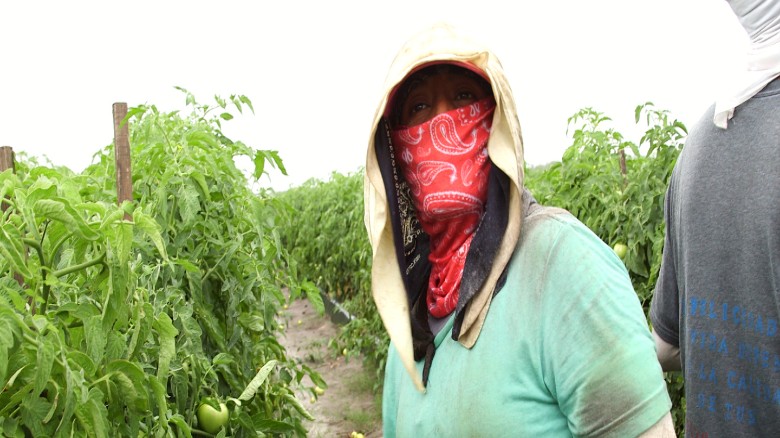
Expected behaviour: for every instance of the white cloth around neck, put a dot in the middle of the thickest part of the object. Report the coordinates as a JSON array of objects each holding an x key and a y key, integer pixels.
[{"x": 761, "y": 21}]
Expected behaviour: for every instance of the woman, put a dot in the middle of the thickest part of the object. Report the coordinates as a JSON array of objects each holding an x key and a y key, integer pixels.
[{"x": 505, "y": 317}]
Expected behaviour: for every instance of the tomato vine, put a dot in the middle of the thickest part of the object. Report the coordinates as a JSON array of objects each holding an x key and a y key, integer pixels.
[{"x": 120, "y": 327}]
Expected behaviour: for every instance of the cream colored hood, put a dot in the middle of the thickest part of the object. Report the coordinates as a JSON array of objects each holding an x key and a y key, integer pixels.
[{"x": 440, "y": 43}]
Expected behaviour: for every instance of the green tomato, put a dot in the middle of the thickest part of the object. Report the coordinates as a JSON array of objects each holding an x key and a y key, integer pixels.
[
  {"x": 212, "y": 420},
  {"x": 620, "y": 249}
]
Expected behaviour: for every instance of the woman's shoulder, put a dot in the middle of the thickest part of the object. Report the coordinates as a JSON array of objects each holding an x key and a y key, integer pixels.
[
  {"x": 554, "y": 233},
  {"x": 542, "y": 221},
  {"x": 534, "y": 213}
]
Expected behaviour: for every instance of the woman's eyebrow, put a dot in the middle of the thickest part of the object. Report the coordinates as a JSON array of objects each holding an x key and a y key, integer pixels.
[{"x": 413, "y": 84}]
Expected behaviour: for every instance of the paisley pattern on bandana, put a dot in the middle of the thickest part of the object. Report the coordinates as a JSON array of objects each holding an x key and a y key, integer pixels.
[{"x": 445, "y": 162}]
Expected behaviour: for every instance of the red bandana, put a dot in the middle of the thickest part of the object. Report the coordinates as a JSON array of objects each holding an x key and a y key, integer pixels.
[{"x": 445, "y": 161}]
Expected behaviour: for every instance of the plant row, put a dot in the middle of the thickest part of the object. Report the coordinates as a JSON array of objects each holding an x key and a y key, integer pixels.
[{"x": 124, "y": 320}]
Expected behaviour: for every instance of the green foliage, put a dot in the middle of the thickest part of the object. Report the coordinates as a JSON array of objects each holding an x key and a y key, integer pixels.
[
  {"x": 328, "y": 245},
  {"x": 118, "y": 320},
  {"x": 321, "y": 215},
  {"x": 619, "y": 207}
]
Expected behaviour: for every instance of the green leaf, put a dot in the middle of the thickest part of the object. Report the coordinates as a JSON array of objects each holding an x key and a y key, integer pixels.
[
  {"x": 246, "y": 101},
  {"x": 273, "y": 426},
  {"x": 138, "y": 329},
  {"x": 226, "y": 116},
  {"x": 181, "y": 423},
  {"x": 34, "y": 410},
  {"x": 189, "y": 203},
  {"x": 12, "y": 249},
  {"x": 222, "y": 359},
  {"x": 9, "y": 427},
  {"x": 42, "y": 188},
  {"x": 151, "y": 228},
  {"x": 76, "y": 392},
  {"x": 131, "y": 369},
  {"x": 123, "y": 242},
  {"x": 10, "y": 383},
  {"x": 259, "y": 161},
  {"x": 53, "y": 408},
  {"x": 10, "y": 296},
  {"x": 9, "y": 182},
  {"x": 267, "y": 155},
  {"x": 113, "y": 217},
  {"x": 201, "y": 181},
  {"x": 202, "y": 139},
  {"x": 137, "y": 112},
  {"x": 166, "y": 333},
  {"x": 126, "y": 391},
  {"x": 252, "y": 322},
  {"x": 132, "y": 380},
  {"x": 83, "y": 362},
  {"x": 116, "y": 345},
  {"x": 237, "y": 102},
  {"x": 115, "y": 302},
  {"x": 315, "y": 377},
  {"x": 43, "y": 365},
  {"x": 298, "y": 406},
  {"x": 314, "y": 296},
  {"x": 61, "y": 210},
  {"x": 160, "y": 398},
  {"x": 258, "y": 380},
  {"x": 189, "y": 267},
  {"x": 95, "y": 337},
  {"x": 93, "y": 414}
]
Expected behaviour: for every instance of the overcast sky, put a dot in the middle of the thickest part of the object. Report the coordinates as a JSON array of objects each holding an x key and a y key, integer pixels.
[{"x": 314, "y": 69}]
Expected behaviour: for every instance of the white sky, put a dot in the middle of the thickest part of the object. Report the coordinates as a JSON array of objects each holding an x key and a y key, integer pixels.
[{"x": 314, "y": 69}]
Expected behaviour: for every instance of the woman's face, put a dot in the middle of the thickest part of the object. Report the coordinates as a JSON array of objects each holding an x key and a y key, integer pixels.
[{"x": 430, "y": 93}]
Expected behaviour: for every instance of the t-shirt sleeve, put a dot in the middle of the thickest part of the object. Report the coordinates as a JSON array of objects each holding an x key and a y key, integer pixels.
[
  {"x": 665, "y": 306},
  {"x": 599, "y": 358}
]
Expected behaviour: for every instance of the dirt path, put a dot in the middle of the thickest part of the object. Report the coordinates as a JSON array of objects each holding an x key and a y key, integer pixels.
[{"x": 350, "y": 402}]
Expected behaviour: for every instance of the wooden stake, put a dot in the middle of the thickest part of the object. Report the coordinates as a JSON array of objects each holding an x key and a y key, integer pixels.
[
  {"x": 124, "y": 183},
  {"x": 7, "y": 162},
  {"x": 6, "y": 158}
]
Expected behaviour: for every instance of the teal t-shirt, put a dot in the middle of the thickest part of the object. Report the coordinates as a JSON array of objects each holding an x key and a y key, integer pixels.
[{"x": 565, "y": 351}]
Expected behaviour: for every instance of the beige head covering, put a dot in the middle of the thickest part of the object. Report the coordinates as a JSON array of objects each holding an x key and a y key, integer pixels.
[{"x": 505, "y": 147}]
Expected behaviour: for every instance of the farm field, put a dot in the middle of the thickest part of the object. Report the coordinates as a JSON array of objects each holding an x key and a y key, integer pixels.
[
  {"x": 350, "y": 403},
  {"x": 143, "y": 315},
  {"x": 124, "y": 316}
]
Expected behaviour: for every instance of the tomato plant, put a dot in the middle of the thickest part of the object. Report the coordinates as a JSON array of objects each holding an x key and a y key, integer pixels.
[
  {"x": 328, "y": 241},
  {"x": 120, "y": 327}
]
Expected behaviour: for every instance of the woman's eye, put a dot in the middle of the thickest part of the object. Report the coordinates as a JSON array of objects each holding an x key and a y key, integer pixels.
[
  {"x": 465, "y": 95},
  {"x": 417, "y": 108}
]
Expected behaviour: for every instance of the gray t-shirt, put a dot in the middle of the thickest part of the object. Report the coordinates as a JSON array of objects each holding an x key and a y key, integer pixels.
[{"x": 718, "y": 294}]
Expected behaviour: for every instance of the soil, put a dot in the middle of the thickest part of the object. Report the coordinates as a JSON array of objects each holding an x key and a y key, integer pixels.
[{"x": 350, "y": 403}]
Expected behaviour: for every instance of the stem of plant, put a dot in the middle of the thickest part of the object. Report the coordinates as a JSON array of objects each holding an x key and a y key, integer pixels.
[
  {"x": 44, "y": 267},
  {"x": 55, "y": 249},
  {"x": 75, "y": 268}
]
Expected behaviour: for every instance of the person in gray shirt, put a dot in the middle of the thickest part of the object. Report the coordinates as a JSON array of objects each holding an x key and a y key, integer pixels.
[{"x": 716, "y": 305}]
